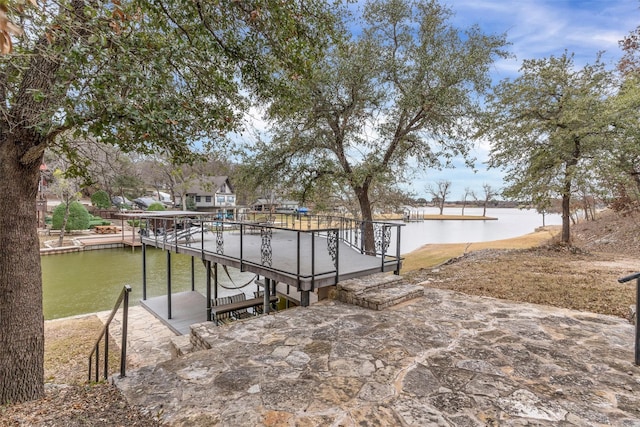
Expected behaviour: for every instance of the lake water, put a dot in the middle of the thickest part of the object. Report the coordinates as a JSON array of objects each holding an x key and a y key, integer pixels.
[
  {"x": 90, "y": 281},
  {"x": 86, "y": 282},
  {"x": 510, "y": 223}
]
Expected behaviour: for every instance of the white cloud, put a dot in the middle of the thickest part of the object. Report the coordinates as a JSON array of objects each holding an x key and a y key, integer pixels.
[{"x": 536, "y": 29}]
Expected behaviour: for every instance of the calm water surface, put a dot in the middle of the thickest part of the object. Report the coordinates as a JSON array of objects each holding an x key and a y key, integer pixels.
[
  {"x": 86, "y": 282},
  {"x": 90, "y": 281},
  {"x": 510, "y": 223}
]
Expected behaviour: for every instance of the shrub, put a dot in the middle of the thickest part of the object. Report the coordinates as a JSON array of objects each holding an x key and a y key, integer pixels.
[
  {"x": 157, "y": 206},
  {"x": 78, "y": 217},
  {"x": 96, "y": 220},
  {"x": 191, "y": 203},
  {"x": 100, "y": 199}
]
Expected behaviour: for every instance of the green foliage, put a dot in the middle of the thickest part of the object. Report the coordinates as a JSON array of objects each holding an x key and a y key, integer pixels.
[
  {"x": 191, "y": 203},
  {"x": 156, "y": 78},
  {"x": 147, "y": 77},
  {"x": 96, "y": 220},
  {"x": 78, "y": 217},
  {"x": 548, "y": 128},
  {"x": 157, "y": 206},
  {"x": 101, "y": 199},
  {"x": 411, "y": 77}
]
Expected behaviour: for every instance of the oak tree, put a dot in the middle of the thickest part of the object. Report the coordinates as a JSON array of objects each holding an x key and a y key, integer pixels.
[
  {"x": 144, "y": 75},
  {"x": 400, "y": 96},
  {"x": 544, "y": 125}
]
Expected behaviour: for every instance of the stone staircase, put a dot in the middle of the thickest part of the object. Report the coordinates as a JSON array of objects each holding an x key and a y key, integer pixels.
[{"x": 377, "y": 291}]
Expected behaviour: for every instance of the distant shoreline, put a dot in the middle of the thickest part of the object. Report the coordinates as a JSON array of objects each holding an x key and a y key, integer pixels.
[{"x": 433, "y": 217}]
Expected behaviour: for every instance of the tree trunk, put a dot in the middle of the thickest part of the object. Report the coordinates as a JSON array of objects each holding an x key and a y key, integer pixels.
[
  {"x": 368, "y": 236},
  {"x": 65, "y": 219},
  {"x": 21, "y": 315},
  {"x": 566, "y": 215}
]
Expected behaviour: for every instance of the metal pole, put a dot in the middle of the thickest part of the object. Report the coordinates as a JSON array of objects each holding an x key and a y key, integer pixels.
[
  {"x": 337, "y": 256},
  {"x": 313, "y": 260},
  {"x": 241, "y": 233},
  {"x": 98, "y": 362},
  {"x": 397, "y": 272},
  {"x": 304, "y": 298},
  {"x": 144, "y": 272},
  {"x": 106, "y": 352},
  {"x": 208, "y": 265},
  {"x": 193, "y": 275},
  {"x": 266, "y": 296},
  {"x": 383, "y": 251},
  {"x": 125, "y": 323},
  {"x": 168, "y": 284},
  {"x": 215, "y": 280},
  {"x": 298, "y": 259},
  {"x": 637, "y": 352},
  {"x": 635, "y": 276}
]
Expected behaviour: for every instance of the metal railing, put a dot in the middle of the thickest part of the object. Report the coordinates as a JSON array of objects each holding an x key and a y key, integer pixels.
[
  {"x": 123, "y": 299},
  {"x": 166, "y": 231},
  {"x": 636, "y": 277}
]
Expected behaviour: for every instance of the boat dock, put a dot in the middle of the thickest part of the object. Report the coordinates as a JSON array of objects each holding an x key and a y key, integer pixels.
[{"x": 293, "y": 263}]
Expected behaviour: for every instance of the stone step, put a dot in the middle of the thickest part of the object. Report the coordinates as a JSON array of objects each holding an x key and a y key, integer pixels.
[
  {"x": 181, "y": 345},
  {"x": 361, "y": 285},
  {"x": 381, "y": 298},
  {"x": 377, "y": 291}
]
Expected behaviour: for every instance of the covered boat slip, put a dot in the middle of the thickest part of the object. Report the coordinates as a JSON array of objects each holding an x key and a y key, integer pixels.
[{"x": 329, "y": 250}]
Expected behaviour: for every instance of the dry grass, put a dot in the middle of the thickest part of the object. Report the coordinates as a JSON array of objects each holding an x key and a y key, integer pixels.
[
  {"x": 67, "y": 345},
  {"x": 535, "y": 269},
  {"x": 69, "y": 400},
  {"x": 435, "y": 254},
  {"x": 550, "y": 275}
]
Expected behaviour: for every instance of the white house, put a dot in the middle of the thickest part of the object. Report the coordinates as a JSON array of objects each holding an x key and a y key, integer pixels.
[{"x": 214, "y": 194}]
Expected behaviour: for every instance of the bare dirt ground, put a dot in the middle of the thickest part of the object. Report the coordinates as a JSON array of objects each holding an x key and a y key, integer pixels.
[{"x": 582, "y": 277}]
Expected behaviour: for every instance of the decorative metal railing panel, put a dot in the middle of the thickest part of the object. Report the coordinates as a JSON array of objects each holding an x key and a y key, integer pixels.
[
  {"x": 219, "y": 238},
  {"x": 332, "y": 246},
  {"x": 266, "y": 253},
  {"x": 382, "y": 236}
]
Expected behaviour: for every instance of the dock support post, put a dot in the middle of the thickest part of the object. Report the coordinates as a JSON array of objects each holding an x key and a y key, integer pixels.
[
  {"x": 208, "y": 265},
  {"x": 267, "y": 296},
  {"x": 193, "y": 275},
  {"x": 215, "y": 279},
  {"x": 304, "y": 298},
  {"x": 144, "y": 272},
  {"x": 168, "y": 284}
]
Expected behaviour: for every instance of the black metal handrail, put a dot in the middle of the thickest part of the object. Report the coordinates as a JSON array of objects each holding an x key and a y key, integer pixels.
[
  {"x": 123, "y": 299},
  {"x": 165, "y": 230},
  {"x": 636, "y": 277}
]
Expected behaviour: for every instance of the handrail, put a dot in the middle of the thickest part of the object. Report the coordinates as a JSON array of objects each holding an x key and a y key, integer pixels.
[
  {"x": 626, "y": 279},
  {"x": 163, "y": 232},
  {"x": 123, "y": 297}
]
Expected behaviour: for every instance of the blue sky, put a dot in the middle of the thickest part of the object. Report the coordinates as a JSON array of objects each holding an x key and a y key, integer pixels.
[{"x": 536, "y": 29}]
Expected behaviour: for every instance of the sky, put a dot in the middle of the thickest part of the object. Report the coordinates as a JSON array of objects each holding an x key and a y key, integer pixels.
[{"x": 535, "y": 29}]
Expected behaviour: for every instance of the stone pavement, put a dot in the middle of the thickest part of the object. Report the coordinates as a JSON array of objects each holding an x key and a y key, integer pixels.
[
  {"x": 445, "y": 359},
  {"x": 149, "y": 340}
]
